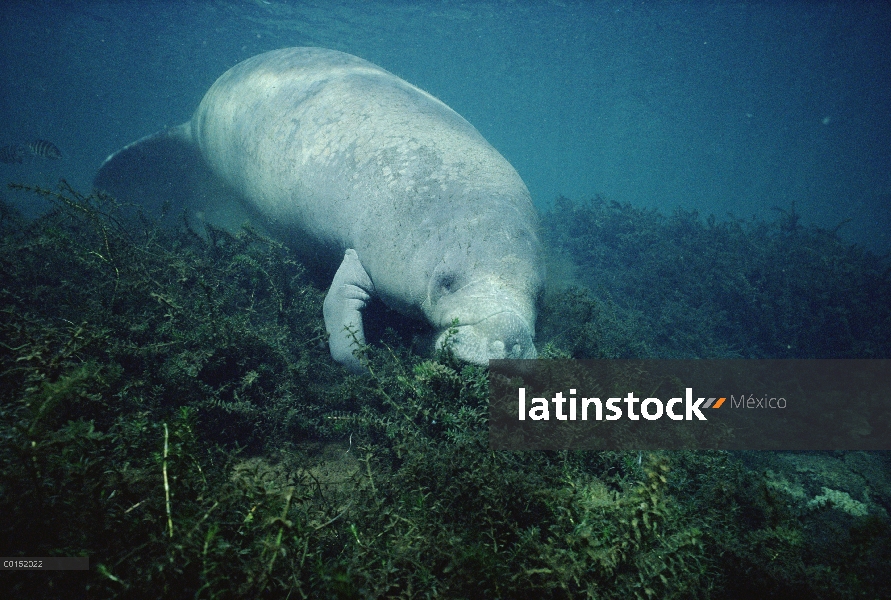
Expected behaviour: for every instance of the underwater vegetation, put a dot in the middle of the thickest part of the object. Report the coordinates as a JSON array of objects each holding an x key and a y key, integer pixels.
[
  {"x": 168, "y": 407},
  {"x": 653, "y": 286}
]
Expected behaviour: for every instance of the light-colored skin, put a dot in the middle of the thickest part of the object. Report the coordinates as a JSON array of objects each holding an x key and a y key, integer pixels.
[{"x": 362, "y": 169}]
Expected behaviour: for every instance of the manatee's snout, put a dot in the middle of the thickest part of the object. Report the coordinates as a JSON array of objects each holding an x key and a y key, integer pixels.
[{"x": 503, "y": 335}]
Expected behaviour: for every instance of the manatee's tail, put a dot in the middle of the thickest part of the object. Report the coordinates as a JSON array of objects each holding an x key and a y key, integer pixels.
[{"x": 162, "y": 170}]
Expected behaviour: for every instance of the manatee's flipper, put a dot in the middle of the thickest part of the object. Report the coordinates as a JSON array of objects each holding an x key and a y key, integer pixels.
[
  {"x": 161, "y": 172},
  {"x": 349, "y": 294}
]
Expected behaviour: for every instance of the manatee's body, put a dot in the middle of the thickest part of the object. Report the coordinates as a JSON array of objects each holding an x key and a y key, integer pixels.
[{"x": 365, "y": 171}]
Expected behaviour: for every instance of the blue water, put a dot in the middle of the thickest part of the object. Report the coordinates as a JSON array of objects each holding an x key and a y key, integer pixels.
[{"x": 719, "y": 107}]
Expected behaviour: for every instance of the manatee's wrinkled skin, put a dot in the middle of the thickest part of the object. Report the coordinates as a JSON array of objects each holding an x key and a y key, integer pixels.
[{"x": 360, "y": 168}]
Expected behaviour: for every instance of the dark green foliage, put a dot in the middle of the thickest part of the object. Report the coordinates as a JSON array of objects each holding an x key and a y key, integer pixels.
[
  {"x": 169, "y": 409},
  {"x": 681, "y": 287}
]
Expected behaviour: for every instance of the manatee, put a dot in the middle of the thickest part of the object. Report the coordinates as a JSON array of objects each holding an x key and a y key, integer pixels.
[{"x": 372, "y": 178}]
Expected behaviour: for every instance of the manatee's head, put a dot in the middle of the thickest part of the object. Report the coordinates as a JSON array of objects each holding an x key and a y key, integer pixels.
[{"x": 484, "y": 308}]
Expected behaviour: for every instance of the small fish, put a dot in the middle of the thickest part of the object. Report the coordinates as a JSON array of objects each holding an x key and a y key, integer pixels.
[
  {"x": 44, "y": 149},
  {"x": 13, "y": 153}
]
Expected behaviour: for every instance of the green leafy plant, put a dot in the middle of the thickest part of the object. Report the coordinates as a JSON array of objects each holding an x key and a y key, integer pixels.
[{"x": 168, "y": 408}]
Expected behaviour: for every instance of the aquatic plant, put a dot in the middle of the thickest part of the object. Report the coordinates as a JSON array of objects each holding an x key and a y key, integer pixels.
[
  {"x": 169, "y": 409},
  {"x": 681, "y": 286}
]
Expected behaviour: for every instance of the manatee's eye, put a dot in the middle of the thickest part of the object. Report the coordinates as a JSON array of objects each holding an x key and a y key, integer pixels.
[{"x": 447, "y": 283}]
